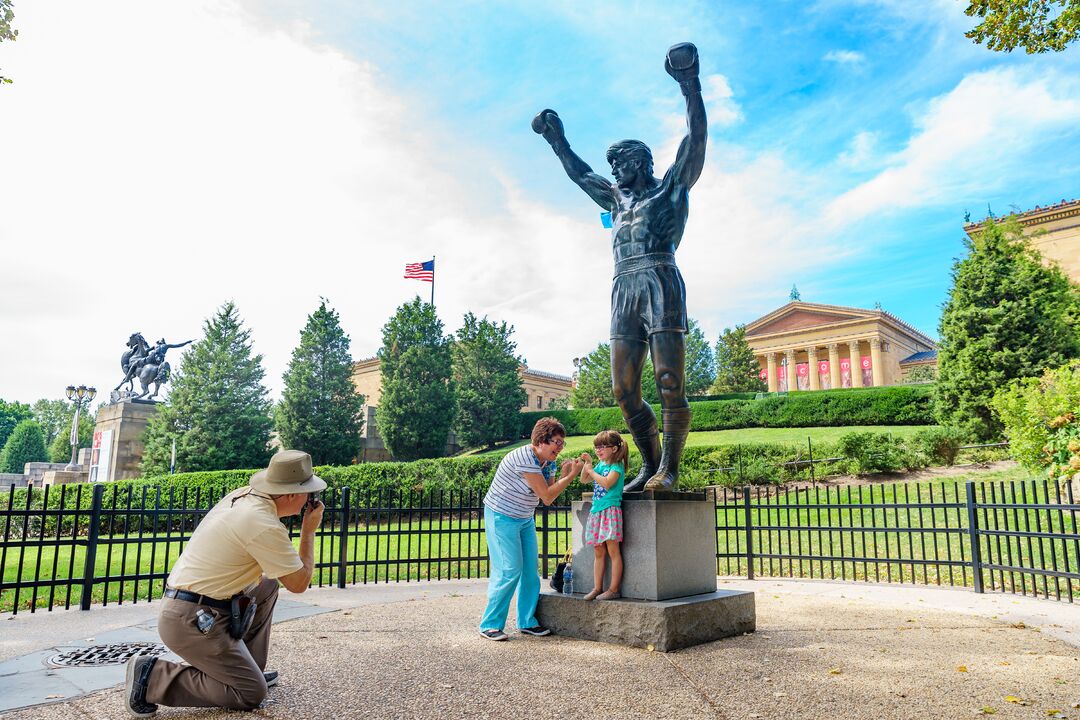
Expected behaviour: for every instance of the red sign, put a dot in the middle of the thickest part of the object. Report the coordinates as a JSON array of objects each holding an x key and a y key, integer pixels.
[
  {"x": 97, "y": 440},
  {"x": 866, "y": 363},
  {"x": 802, "y": 369},
  {"x": 823, "y": 367},
  {"x": 764, "y": 374},
  {"x": 845, "y": 365}
]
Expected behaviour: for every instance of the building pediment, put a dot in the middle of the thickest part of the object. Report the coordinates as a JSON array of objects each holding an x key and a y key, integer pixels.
[{"x": 799, "y": 315}]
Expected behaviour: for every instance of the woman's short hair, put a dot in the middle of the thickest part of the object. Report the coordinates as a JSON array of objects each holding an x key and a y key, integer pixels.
[{"x": 545, "y": 429}]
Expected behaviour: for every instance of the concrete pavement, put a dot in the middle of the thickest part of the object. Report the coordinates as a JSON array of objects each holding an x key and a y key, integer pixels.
[{"x": 822, "y": 650}]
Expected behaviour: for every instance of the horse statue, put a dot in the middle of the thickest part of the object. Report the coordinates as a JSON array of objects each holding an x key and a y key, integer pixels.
[{"x": 146, "y": 364}]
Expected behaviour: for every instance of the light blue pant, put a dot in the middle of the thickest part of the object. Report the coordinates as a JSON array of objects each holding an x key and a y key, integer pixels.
[{"x": 512, "y": 548}]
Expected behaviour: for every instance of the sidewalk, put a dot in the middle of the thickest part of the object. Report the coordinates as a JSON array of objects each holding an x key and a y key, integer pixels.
[{"x": 822, "y": 649}]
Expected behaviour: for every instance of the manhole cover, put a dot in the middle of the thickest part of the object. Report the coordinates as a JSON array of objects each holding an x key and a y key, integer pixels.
[{"x": 98, "y": 655}]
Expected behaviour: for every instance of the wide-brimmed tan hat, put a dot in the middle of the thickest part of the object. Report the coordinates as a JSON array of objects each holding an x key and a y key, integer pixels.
[{"x": 289, "y": 472}]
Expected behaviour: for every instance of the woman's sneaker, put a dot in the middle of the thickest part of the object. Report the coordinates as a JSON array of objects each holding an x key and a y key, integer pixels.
[
  {"x": 493, "y": 634},
  {"x": 537, "y": 630}
]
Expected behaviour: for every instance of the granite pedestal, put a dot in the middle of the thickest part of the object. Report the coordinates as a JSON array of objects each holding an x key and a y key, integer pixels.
[
  {"x": 669, "y": 596},
  {"x": 125, "y": 421}
]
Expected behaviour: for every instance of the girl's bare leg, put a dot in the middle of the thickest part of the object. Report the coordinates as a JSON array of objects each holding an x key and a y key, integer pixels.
[
  {"x": 615, "y": 551},
  {"x": 597, "y": 572}
]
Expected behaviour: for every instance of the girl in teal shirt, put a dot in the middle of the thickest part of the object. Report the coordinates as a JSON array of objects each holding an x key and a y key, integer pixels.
[{"x": 605, "y": 528}]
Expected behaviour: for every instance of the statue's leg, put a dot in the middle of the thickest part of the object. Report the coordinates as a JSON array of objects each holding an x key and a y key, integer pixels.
[
  {"x": 627, "y": 362},
  {"x": 669, "y": 360}
]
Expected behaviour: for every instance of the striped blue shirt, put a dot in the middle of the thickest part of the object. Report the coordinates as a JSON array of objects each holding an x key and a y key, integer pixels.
[{"x": 509, "y": 494}]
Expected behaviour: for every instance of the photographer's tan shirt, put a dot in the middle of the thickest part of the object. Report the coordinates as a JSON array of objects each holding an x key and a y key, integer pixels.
[{"x": 233, "y": 545}]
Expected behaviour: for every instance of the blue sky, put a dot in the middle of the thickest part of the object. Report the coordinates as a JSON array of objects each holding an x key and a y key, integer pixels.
[{"x": 275, "y": 152}]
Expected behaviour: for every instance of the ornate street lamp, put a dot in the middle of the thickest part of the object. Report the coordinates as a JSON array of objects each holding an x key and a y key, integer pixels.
[{"x": 77, "y": 395}]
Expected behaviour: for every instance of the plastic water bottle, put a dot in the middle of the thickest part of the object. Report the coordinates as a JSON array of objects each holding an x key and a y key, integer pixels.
[{"x": 568, "y": 580}]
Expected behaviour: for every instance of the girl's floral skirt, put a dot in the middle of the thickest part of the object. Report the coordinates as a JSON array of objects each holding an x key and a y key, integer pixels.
[{"x": 603, "y": 526}]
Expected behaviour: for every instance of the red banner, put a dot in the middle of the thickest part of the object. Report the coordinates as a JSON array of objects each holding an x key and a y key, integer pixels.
[
  {"x": 845, "y": 366},
  {"x": 802, "y": 369},
  {"x": 823, "y": 367},
  {"x": 866, "y": 362},
  {"x": 764, "y": 374}
]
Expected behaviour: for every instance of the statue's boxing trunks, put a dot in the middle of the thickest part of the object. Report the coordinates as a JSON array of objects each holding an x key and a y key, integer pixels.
[{"x": 647, "y": 296}]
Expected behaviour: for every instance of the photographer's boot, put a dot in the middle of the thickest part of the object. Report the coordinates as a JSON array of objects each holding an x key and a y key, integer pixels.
[
  {"x": 643, "y": 429},
  {"x": 676, "y": 428}
]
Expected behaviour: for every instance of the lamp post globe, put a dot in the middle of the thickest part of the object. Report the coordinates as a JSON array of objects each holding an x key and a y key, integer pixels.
[{"x": 77, "y": 395}]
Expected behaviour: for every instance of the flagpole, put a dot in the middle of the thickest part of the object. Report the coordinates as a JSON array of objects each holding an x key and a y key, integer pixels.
[{"x": 432, "y": 281}]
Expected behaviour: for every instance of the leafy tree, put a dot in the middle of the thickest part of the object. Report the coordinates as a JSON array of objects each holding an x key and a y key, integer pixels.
[
  {"x": 7, "y": 16},
  {"x": 1035, "y": 25},
  {"x": 488, "y": 382},
  {"x": 700, "y": 361},
  {"x": 1040, "y": 416},
  {"x": 320, "y": 410},
  {"x": 11, "y": 414},
  {"x": 217, "y": 410},
  {"x": 26, "y": 444},
  {"x": 737, "y": 368},
  {"x": 1008, "y": 316},
  {"x": 920, "y": 374},
  {"x": 54, "y": 417},
  {"x": 417, "y": 405},
  {"x": 593, "y": 386}
]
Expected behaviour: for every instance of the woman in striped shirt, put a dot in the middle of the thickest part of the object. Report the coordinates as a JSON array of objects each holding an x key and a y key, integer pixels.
[{"x": 522, "y": 480}]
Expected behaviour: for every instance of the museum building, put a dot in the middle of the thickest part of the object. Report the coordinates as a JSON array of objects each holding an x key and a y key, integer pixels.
[
  {"x": 809, "y": 346},
  {"x": 1053, "y": 230}
]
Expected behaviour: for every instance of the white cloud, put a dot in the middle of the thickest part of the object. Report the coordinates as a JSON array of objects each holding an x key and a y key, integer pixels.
[
  {"x": 969, "y": 139},
  {"x": 860, "y": 153},
  {"x": 845, "y": 57}
]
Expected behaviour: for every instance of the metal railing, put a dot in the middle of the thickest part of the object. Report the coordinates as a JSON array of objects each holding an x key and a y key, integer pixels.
[{"x": 81, "y": 544}]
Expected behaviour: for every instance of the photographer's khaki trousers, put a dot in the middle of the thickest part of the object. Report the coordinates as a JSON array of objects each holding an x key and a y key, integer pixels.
[{"x": 221, "y": 671}]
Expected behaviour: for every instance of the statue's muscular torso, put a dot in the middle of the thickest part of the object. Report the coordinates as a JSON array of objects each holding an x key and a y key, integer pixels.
[{"x": 651, "y": 224}]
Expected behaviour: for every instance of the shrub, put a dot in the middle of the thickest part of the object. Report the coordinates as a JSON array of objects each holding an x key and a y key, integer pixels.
[
  {"x": 941, "y": 445},
  {"x": 875, "y": 452}
]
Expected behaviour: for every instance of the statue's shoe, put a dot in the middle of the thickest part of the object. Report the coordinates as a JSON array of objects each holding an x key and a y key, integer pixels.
[
  {"x": 663, "y": 480},
  {"x": 638, "y": 483}
]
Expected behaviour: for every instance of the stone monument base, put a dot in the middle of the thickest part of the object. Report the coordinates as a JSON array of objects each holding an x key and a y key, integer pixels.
[
  {"x": 663, "y": 625},
  {"x": 64, "y": 477}
]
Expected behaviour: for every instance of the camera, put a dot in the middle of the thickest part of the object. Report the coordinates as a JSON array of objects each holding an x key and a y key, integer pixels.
[{"x": 312, "y": 500}]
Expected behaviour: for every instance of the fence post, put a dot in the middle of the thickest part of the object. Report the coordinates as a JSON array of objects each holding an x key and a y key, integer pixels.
[
  {"x": 343, "y": 537},
  {"x": 749, "y": 533},
  {"x": 973, "y": 533},
  {"x": 810, "y": 447},
  {"x": 91, "y": 546}
]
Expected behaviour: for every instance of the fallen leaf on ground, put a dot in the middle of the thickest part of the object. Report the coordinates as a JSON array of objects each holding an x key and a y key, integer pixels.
[
  {"x": 1015, "y": 700},
  {"x": 1003, "y": 662},
  {"x": 835, "y": 671},
  {"x": 961, "y": 668},
  {"x": 987, "y": 711},
  {"x": 1018, "y": 625}
]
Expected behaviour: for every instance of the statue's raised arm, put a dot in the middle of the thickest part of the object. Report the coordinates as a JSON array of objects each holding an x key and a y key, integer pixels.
[
  {"x": 548, "y": 124},
  {"x": 682, "y": 64}
]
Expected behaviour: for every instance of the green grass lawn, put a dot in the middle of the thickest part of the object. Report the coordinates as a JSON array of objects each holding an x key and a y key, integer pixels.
[
  {"x": 579, "y": 443},
  {"x": 851, "y": 532}
]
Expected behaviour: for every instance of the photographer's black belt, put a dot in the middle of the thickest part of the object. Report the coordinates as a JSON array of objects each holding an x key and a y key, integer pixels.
[{"x": 191, "y": 597}]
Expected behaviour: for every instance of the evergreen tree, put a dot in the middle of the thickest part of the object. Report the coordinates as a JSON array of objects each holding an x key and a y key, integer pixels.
[
  {"x": 217, "y": 410},
  {"x": 593, "y": 386},
  {"x": 737, "y": 367},
  {"x": 488, "y": 382},
  {"x": 320, "y": 410},
  {"x": 11, "y": 414},
  {"x": 26, "y": 444},
  {"x": 1008, "y": 316},
  {"x": 417, "y": 404}
]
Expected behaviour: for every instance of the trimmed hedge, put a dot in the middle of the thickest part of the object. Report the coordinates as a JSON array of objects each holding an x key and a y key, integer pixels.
[{"x": 895, "y": 405}]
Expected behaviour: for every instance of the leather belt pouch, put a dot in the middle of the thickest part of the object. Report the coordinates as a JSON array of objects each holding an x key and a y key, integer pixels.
[{"x": 241, "y": 614}]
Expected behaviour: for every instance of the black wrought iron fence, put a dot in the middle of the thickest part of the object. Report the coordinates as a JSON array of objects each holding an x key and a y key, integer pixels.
[{"x": 81, "y": 544}]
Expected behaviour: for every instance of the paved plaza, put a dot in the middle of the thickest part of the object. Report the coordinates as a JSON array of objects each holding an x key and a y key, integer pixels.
[{"x": 822, "y": 650}]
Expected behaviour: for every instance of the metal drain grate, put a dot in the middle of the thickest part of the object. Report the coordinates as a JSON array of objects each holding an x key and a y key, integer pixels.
[{"x": 99, "y": 655}]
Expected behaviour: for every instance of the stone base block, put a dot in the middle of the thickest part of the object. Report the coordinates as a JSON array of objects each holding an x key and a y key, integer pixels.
[
  {"x": 64, "y": 477},
  {"x": 664, "y": 625}
]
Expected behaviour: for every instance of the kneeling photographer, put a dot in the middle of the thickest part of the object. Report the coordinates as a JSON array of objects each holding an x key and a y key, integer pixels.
[{"x": 220, "y": 595}]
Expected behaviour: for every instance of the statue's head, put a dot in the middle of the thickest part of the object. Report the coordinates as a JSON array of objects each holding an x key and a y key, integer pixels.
[
  {"x": 629, "y": 160},
  {"x": 135, "y": 339}
]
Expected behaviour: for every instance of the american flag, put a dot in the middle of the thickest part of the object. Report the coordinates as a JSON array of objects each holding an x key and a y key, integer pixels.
[{"x": 421, "y": 271}]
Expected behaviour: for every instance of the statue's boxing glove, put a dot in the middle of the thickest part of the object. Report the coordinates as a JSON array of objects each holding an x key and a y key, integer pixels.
[
  {"x": 548, "y": 124},
  {"x": 682, "y": 64}
]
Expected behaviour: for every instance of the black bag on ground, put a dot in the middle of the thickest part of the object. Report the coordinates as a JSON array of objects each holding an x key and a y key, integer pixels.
[{"x": 556, "y": 580}]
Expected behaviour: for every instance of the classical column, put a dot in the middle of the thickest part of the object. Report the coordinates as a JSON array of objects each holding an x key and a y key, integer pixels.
[
  {"x": 774, "y": 382},
  {"x": 811, "y": 360},
  {"x": 856, "y": 364},
  {"x": 834, "y": 365},
  {"x": 792, "y": 377},
  {"x": 875, "y": 359}
]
